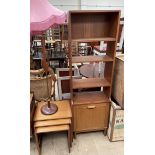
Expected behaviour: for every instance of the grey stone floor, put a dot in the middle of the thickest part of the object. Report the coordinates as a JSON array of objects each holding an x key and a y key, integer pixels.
[{"x": 93, "y": 143}]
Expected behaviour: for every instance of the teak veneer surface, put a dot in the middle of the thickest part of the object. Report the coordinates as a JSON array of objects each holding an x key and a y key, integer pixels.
[
  {"x": 91, "y": 117},
  {"x": 94, "y": 39},
  {"x": 64, "y": 111},
  {"x": 90, "y": 83},
  {"x": 89, "y": 97},
  {"x": 91, "y": 26},
  {"x": 81, "y": 59},
  {"x": 52, "y": 128},
  {"x": 52, "y": 122},
  {"x": 91, "y": 110}
]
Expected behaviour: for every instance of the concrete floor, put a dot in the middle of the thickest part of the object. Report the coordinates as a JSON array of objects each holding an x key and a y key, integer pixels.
[{"x": 93, "y": 143}]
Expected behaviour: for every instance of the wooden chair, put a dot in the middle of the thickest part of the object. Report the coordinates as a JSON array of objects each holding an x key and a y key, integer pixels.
[
  {"x": 38, "y": 72},
  {"x": 38, "y": 84}
]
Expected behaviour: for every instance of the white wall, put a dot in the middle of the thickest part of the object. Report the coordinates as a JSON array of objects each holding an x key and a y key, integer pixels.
[
  {"x": 67, "y": 5},
  {"x": 103, "y": 5},
  {"x": 89, "y": 5}
]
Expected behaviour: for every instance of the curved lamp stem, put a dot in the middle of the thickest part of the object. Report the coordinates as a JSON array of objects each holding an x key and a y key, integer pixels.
[{"x": 49, "y": 108}]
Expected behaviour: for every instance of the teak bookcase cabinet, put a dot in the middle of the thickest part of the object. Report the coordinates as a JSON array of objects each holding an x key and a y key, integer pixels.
[{"x": 91, "y": 109}]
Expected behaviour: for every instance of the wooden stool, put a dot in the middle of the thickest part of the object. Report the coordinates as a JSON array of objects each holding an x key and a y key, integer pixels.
[{"x": 60, "y": 121}]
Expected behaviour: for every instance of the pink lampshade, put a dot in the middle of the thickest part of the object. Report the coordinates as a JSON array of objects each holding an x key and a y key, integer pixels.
[{"x": 44, "y": 15}]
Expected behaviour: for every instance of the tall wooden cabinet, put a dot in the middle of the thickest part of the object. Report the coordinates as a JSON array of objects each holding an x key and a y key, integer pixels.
[{"x": 91, "y": 108}]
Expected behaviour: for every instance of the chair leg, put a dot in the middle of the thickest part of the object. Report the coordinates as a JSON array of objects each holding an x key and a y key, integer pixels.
[{"x": 37, "y": 143}]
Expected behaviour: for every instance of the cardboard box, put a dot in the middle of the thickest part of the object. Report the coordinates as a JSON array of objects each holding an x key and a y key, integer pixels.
[
  {"x": 116, "y": 123},
  {"x": 118, "y": 80}
]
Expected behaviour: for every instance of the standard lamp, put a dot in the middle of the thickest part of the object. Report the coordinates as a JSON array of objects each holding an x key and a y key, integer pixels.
[{"x": 49, "y": 108}]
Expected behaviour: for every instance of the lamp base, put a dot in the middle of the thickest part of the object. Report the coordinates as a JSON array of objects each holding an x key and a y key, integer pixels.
[{"x": 49, "y": 110}]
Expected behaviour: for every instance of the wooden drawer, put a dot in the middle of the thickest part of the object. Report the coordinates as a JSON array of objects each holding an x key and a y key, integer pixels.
[{"x": 91, "y": 117}]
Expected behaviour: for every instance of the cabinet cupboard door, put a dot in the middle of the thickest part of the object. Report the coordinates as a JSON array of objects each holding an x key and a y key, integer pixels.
[{"x": 91, "y": 117}]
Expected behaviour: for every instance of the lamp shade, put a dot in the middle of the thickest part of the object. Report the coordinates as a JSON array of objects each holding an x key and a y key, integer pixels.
[{"x": 43, "y": 15}]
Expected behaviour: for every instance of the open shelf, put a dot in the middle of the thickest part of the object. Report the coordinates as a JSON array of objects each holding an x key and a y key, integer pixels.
[
  {"x": 94, "y": 39},
  {"x": 94, "y": 26},
  {"x": 90, "y": 83},
  {"x": 80, "y": 59},
  {"x": 89, "y": 97}
]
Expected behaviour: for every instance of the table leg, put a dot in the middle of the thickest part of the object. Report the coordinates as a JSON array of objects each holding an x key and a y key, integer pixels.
[
  {"x": 37, "y": 143},
  {"x": 74, "y": 134},
  {"x": 69, "y": 139},
  {"x": 71, "y": 134}
]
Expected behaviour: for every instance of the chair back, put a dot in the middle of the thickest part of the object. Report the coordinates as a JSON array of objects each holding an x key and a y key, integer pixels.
[{"x": 38, "y": 85}]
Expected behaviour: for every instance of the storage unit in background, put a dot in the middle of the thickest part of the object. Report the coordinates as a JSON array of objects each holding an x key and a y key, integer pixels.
[
  {"x": 116, "y": 123},
  {"x": 118, "y": 80}
]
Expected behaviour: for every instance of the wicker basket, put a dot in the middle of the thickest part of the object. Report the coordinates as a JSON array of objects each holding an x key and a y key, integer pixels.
[{"x": 38, "y": 85}]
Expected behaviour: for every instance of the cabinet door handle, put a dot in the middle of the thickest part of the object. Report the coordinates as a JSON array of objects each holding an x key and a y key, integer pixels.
[{"x": 91, "y": 107}]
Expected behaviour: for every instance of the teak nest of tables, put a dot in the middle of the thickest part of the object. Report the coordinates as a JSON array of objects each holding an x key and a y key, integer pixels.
[{"x": 60, "y": 121}]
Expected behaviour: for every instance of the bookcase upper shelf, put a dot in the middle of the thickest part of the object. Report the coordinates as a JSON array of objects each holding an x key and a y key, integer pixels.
[{"x": 100, "y": 25}]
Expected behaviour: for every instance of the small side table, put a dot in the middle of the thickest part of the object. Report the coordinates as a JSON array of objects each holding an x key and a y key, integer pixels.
[{"x": 60, "y": 121}]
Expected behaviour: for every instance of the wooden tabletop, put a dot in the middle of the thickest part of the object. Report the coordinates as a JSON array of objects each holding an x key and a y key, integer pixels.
[
  {"x": 92, "y": 70},
  {"x": 64, "y": 111},
  {"x": 52, "y": 122}
]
